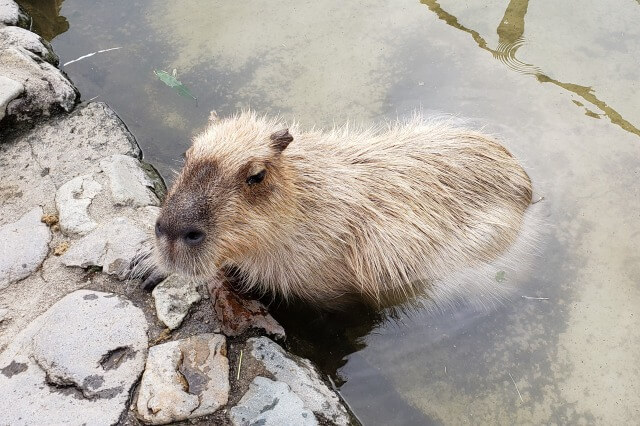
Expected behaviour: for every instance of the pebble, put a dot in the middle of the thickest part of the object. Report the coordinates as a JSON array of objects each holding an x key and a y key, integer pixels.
[{"x": 173, "y": 299}]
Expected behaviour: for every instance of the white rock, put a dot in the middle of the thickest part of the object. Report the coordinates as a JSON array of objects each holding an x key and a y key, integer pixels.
[
  {"x": 9, "y": 90},
  {"x": 75, "y": 363},
  {"x": 184, "y": 379},
  {"x": 302, "y": 377},
  {"x": 23, "y": 246},
  {"x": 148, "y": 216},
  {"x": 73, "y": 200},
  {"x": 4, "y": 314},
  {"x": 130, "y": 186},
  {"x": 270, "y": 403},
  {"x": 10, "y": 13},
  {"x": 46, "y": 89},
  {"x": 112, "y": 246},
  {"x": 174, "y": 296},
  {"x": 19, "y": 37}
]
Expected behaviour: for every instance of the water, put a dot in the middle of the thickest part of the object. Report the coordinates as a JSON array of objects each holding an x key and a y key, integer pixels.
[{"x": 557, "y": 80}]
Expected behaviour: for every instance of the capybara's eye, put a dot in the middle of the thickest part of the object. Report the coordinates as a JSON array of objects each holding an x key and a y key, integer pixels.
[{"x": 257, "y": 178}]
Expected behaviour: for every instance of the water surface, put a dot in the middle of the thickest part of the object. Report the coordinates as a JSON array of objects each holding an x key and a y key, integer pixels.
[{"x": 558, "y": 81}]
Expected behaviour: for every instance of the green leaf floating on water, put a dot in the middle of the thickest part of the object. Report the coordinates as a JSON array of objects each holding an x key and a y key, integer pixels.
[
  {"x": 501, "y": 276},
  {"x": 171, "y": 80}
]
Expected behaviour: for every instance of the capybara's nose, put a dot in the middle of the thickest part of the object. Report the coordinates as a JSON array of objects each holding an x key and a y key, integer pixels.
[
  {"x": 193, "y": 237},
  {"x": 190, "y": 235}
]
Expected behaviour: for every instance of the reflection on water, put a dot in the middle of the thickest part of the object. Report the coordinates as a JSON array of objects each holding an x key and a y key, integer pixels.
[
  {"x": 46, "y": 19},
  {"x": 510, "y": 31},
  {"x": 511, "y": 27},
  {"x": 510, "y": 37},
  {"x": 572, "y": 353}
]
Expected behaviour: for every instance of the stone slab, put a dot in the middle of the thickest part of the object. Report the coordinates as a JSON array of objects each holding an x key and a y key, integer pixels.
[
  {"x": 73, "y": 200},
  {"x": 24, "y": 244},
  {"x": 130, "y": 186},
  {"x": 75, "y": 363},
  {"x": 112, "y": 246},
  {"x": 46, "y": 89}
]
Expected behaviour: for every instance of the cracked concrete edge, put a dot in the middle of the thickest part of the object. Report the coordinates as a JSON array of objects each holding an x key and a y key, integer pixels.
[{"x": 52, "y": 377}]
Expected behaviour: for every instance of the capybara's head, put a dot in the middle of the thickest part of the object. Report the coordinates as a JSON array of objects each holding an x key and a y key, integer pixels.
[{"x": 227, "y": 199}]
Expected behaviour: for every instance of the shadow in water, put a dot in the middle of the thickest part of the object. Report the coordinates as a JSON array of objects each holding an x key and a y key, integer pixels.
[
  {"x": 333, "y": 339},
  {"x": 46, "y": 18},
  {"x": 328, "y": 337},
  {"x": 510, "y": 39}
]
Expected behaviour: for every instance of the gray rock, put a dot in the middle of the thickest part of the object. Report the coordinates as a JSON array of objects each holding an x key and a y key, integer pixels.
[
  {"x": 75, "y": 363},
  {"x": 29, "y": 60},
  {"x": 47, "y": 90},
  {"x": 73, "y": 200},
  {"x": 270, "y": 403},
  {"x": 11, "y": 14},
  {"x": 4, "y": 314},
  {"x": 23, "y": 246},
  {"x": 9, "y": 90},
  {"x": 148, "y": 215},
  {"x": 38, "y": 162},
  {"x": 184, "y": 379},
  {"x": 112, "y": 246},
  {"x": 19, "y": 37},
  {"x": 174, "y": 296},
  {"x": 301, "y": 376},
  {"x": 130, "y": 186}
]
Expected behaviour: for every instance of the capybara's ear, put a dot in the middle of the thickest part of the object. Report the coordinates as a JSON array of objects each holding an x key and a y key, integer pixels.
[{"x": 281, "y": 139}]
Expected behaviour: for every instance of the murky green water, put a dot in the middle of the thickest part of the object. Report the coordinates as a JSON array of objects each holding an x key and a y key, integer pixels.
[{"x": 558, "y": 80}]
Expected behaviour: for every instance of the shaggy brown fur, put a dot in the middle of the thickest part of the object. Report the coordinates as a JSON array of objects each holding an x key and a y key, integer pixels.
[{"x": 375, "y": 212}]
